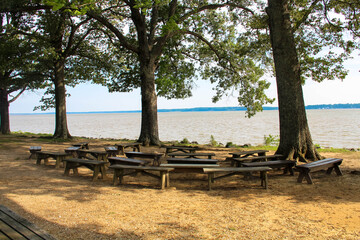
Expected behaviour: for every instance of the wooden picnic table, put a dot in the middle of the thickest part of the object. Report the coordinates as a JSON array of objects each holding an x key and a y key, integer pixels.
[
  {"x": 264, "y": 158},
  {"x": 184, "y": 149},
  {"x": 142, "y": 155},
  {"x": 126, "y": 161},
  {"x": 244, "y": 154},
  {"x": 34, "y": 150},
  {"x": 73, "y": 151},
  {"x": 82, "y": 145},
  {"x": 122, "y": 146},
  {"x": 112, "y": 151},
  {"x": 97, "y": 154},
  {"x": 94, "y": 165},
  {"x": 58, "y": 156},
  {"x": 192, "y": 161},
  {"x": 189, "y": 168},
  {"x": 13, "y": 226},
  {"x": 191, "y": 155}
]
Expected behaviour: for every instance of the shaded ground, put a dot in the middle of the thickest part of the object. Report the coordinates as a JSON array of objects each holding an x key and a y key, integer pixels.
[{"x": 75, "y": 208}]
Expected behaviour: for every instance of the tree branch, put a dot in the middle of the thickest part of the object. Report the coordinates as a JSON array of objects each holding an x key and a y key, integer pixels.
[{"x": 104, "y": 21}]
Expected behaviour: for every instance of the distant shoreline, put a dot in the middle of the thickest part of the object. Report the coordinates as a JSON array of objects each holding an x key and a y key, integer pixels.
[{"x": 211, "y": 109}]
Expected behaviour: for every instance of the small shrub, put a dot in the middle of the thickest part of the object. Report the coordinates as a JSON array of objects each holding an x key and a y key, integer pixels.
[
  {"x": 213, "y": 142},
  {"x": 271, "y": 140},
  {"x": 185, "y": 141}
]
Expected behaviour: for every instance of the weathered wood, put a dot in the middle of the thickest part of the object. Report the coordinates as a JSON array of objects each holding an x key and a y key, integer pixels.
[
  {"x": 286, "y": 164},
  {"x": 112, "y": 151},
  {"x": 34, "y": 150},
  {"x": 184, "y": 149},
  {"x": 94, "y": 165},
  {"x": 327, "y": 164},
  {"x": 142, "y": 155},
  {"x": 190, "y": 168},
  {"x": 230, "y": 171},
  {"x": 191, "y": 161},
  {"x": 239, "y": 161},
  {"x": 58, "y": 156},
  {"x": 82, "y": 145},
  {"x": 164, "y": 178},
  {"x": 122, "y": 146},
  {"x": 97, "y": 154},
  {"x": 126, "y": 161},
  {"x": 12, "y": 226},
  {"x": 191, "y": 155}
]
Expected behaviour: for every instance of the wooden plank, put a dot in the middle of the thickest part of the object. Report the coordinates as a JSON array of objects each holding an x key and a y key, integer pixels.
[
  {"x": 17, "y": 227},
  {"x": 190, "y": 165},
  {"x": 126, "y": 161},
  {"x": 191, "y": 161},
  {"x": 236, "y": 169},
  {"x": 148, "y": 168}
]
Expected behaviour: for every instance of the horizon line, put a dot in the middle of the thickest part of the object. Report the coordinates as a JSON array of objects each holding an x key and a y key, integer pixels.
[{"x": 209, "y": 109}]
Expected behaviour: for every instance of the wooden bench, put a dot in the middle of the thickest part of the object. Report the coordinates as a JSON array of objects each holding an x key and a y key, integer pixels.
[
  {"x": 58, "y": 156},
  {"x": 184, "y": 149},
  {"x": 192, "y": 161},
  {"x": 142, "y": 155},
  {"x": 126, "y": 161},
  {"x": 286, "y": 164},
  {"x": 13, "y": 226},
  {"x": 119, "y": 173},
  {"x": 111, "y": 151},
  {"x": 189, "y": 168},
  {"x": 327, "y": 164},
  {"x": 82, "y": 145},
  {"x": 191, "y": 155},
  {"x": 122, "y": 146},
  {"x": 97, "y": 154},
  {"x": 94, "y": 165},
  {"x": 238, "y": 161},
  {"x": 34, "y": 150},
  {"x": 73, "y": 151},
  {"x": 245, "y": 154},
  {"x": 230, "y": 171}
]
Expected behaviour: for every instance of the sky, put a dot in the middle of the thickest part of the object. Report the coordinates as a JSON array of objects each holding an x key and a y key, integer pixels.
[{"x": 90, "y": 97}]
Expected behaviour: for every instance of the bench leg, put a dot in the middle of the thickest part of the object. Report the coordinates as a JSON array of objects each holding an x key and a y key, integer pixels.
[
  {"x": 96, "y": 173},
  {"x": 118, "y": 176},
  {"x": 338, "y": 170},
  {"x": 264, "y": 179},
  {"x": 58, "y": 162},
  {"x": 167, "y": 179},
  {"x": 103, "y": 172},
  {"x": 210, "y": 180},
  {"x": 162, "y": 179},
  {"x": 305, "y": 174}
]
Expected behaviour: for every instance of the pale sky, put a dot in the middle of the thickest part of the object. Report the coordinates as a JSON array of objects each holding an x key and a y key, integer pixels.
[{"x": 88, "y": 97}]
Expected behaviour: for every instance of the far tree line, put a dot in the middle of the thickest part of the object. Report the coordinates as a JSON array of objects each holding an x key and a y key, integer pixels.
[{"x": 162, "y": 46}]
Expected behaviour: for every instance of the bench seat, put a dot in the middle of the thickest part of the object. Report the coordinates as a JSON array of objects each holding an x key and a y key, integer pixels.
[
  {"x": 327, "y": 164},
  {"x": 191, "y": 168},
  {"x": 230, "y": 171},
  {"x": 142, "y": 155},
  {"x": 126, "y": 161},
  {"x": 286, "y": 164},
  {"x": 191, "y": 161},
  {"x": 191, "y": 155},
  {"x": 94, "y": 165},
  {"x": 13, "y": 226},
  {"x": 119, "y": 173},
  {"x": 239, "y": 161}
]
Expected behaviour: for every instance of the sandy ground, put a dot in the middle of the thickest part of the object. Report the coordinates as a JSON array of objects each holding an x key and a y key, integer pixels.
[{"x": 73, "y": 207}]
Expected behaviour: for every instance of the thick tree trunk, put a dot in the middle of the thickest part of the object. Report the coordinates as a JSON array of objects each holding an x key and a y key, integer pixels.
[
  {"x": 61, "y": 128},
  {"x": 149, "y": 134},
  {"x": 295, "y": 137},
  {"x": 4, "y": 111}
]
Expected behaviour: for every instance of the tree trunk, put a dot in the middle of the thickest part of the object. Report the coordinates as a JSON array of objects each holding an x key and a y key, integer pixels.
[
  {"x": 61, "y": 128},
  {"x": 149, "y": 134},
  {"x": 4, "y": 111},
  {"x": 295, "y": 137}
]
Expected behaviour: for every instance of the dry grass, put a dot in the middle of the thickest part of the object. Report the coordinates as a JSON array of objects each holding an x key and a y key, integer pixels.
[{"x": 75, "y": 208}]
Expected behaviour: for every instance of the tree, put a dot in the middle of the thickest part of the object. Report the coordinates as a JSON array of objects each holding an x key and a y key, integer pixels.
[
  {"x": 72, "y": 53},
  {"x": 168, "y": 43},
  {"x": 295, "y": 137},
  {"x": 299, "y": 52},
  {"x": 19, "y": 70}
]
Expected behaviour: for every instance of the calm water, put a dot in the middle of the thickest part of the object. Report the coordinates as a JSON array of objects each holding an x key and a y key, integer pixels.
[{"x": 329, "y": 128}]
